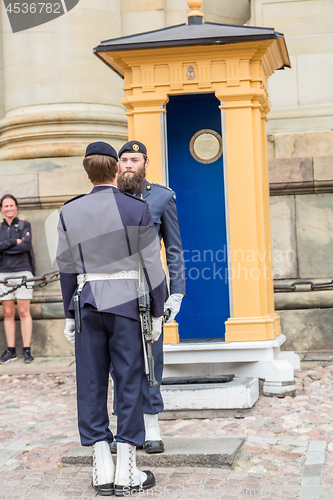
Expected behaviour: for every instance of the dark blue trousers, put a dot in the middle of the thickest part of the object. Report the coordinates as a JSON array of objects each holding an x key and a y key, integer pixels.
[
  {"x": 109, "y": 338},
  {"x": 152, "y": 398}
]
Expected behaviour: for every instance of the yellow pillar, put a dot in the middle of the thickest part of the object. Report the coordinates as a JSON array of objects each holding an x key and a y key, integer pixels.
[
  {"x": 248, "y": 212},
  {"x": 146, "y": 124},
  {"x": 270, "y": 281}
]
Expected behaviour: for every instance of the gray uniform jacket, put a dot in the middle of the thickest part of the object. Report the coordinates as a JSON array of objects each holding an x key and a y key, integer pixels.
[
  {"x": 106, "y": 231},
  {"x": 162, "y": 206}
]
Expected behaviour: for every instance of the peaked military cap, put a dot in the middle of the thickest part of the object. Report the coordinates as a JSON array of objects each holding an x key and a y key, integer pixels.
[
  {"x": 101, "y": 148},
  {"x": 133, "y": 147}
]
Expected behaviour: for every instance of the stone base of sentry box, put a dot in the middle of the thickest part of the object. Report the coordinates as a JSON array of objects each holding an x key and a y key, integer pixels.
[
  {"x": 239, "y": 394},
  {"x": 279, "y": 389},
  {"x": 259, "y": 359}
]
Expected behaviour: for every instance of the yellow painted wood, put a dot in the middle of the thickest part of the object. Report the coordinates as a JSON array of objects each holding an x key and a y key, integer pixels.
[
  {"x": 143, "y": 124},
  {"x": 194, "y": 5},
  {"x": 237, "y": 73},
  {"x": 171, "y": 335},
  {"x": 170, "y": 330},
  {"x": 270, "y": 282}
]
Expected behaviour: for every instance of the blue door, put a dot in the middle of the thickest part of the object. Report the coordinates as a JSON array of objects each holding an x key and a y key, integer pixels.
[{"x": 198, "y": 181}]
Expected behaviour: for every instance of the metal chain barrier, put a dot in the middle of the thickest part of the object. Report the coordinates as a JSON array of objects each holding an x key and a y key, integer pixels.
[
  {"x": 304, "y": 286},
  {"x": 44, "y": 279},
  {"x": 51, "y": 276}
]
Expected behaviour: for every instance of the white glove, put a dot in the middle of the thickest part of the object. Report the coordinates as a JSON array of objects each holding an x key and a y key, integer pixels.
[
  {"x": 70, "y": 330},
  {"x": 173, "y": 303},
  {"x": 156, "y": 328}
]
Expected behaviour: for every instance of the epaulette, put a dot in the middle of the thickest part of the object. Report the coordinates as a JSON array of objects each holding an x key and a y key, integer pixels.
[
  {"x": 75, "y": 198},
  {"x": 135, "y": 197},
  {"x": 161, "y": 186},
  {"x": 165, "y": 187}
]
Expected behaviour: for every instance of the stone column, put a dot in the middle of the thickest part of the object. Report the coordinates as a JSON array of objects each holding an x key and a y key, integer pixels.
[
  {"x": 58, "y": 97},
  {"x": 226, "y": 11},
  {"x": 175, "y": 11},
  {"x": 145, "y": 15},
  {"x": 2, "y": 97},
  {"x": 214, "y": 11}
]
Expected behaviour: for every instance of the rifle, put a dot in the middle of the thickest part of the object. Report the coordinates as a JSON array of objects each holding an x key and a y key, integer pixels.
[{"x": 145, "y": 319}]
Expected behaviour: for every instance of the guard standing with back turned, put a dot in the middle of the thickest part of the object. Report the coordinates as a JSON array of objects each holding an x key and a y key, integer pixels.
[
  {"x": 133, "y": 162},
  {"x": 104, "y": 238}
]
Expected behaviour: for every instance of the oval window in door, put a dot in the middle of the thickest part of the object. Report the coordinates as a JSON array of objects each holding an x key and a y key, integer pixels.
[{"x": 206, "y": 146}]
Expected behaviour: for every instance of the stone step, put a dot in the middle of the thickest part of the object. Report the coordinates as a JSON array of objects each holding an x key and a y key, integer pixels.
[
  {"x": 181, "y": 451},
  {"x": 239, "y": 393}
]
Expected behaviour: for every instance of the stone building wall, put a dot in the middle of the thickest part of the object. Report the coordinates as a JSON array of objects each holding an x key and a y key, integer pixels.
[
  {"x": 301, "y": 185},
  {"x": 301, "y": 97}
]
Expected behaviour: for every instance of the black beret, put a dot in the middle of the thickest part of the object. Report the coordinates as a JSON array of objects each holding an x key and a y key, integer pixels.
[
  {"x": 101, "y": 148},
  {"x": 133, "y": 147}
]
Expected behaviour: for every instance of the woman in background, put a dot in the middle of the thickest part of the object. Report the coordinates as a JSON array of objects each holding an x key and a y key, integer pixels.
[{"x": 15, "y": 260}]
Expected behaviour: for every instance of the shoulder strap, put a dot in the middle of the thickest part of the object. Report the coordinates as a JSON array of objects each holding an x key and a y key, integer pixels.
[
  {"x": 75, "y": 198},
  {"x": 134, "y": 197}
]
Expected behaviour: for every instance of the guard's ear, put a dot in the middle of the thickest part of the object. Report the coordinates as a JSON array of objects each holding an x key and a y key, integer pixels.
[
  {"x": 147, "y": 163},
  {"x": 117, "y": 168}
]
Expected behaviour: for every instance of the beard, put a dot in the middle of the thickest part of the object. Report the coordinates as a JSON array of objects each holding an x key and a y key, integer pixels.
[{"x": 132, "y": 184}]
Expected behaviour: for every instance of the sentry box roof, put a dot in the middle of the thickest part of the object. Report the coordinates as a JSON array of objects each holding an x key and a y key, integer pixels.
[{"x": 191, "y": 34}]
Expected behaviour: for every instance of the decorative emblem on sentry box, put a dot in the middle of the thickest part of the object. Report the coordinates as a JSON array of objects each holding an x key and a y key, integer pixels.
[
  {"x": 135, "y": 147},
  {"x": 190, "y": 73}
]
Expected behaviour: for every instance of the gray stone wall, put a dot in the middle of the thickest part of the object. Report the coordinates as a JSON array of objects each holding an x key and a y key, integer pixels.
[{"x": 301, "y": 184}]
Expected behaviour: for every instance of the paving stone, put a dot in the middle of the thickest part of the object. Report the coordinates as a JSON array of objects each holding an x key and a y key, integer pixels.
[
  {"x": 311, "y": 492},
  {"x": 274, "y": 464},
  {"x": 311, "y": 481},
  {"x": 312, "y": 471},
  {"x": 260, "y": 439},
  {"x": 317, "y": 446},
  {"x": 315, "y": 457},
  {"x": 289, "y": 442}
]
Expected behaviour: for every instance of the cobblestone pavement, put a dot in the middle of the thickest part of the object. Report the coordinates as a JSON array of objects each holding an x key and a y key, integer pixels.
[{"x": 288, "y": 452}]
